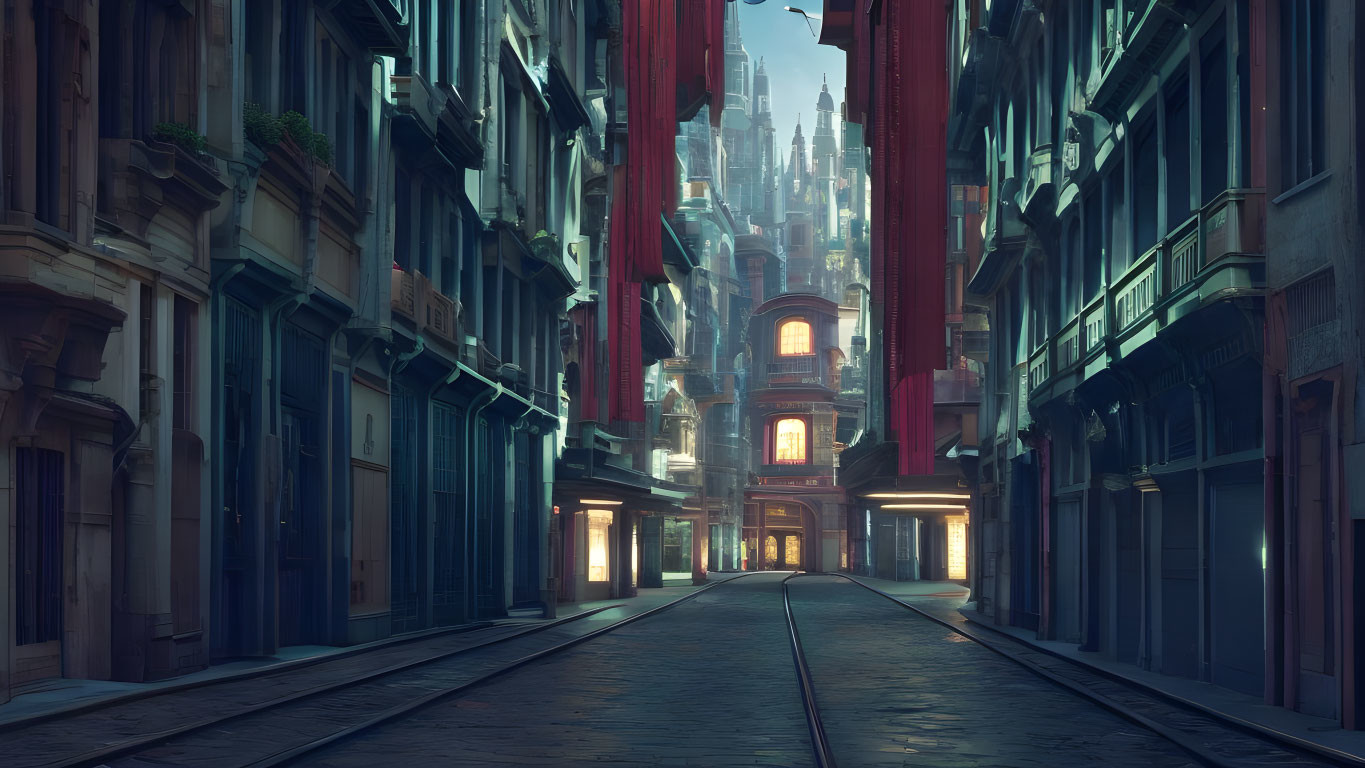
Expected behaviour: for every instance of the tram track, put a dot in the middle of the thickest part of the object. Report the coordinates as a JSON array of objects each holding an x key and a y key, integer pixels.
[
  {"x": 291, "y": 729},
  {"x": 278, "y": 730},
  {"x": 1203, "y": 735}
]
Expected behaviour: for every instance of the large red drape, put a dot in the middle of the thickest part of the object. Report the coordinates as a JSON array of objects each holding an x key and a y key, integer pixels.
[
  {"x": 664, "y": 52},
  {"x": 700, "y": 45},
  {"x": 909, "y": 106}
]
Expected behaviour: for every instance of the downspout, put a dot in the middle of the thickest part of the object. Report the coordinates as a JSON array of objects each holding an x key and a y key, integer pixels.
[{"x": 471, "y": 491}]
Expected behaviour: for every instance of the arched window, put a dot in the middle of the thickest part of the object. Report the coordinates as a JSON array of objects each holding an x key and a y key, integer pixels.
[
  {"x": 794, "y": 337},
  {"x": 789, "y": 441}
]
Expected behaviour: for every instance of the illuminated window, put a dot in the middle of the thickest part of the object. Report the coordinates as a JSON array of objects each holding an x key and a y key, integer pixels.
[
  {"x": 794, "y": 338},
  {"x": 957, "y": 546},
  {"x": 770, "y": 552},
  {"x": 599, "y": 523},
  {"x": 794, "y": 551},
  {"x": 789, "y": 441}
]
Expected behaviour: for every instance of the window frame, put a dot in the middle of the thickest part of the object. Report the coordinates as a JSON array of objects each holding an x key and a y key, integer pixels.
[
  {"x": 775, "y": 423},
  {"x": 1302, "y": 111},
  {"x": 778, "y": 339}
]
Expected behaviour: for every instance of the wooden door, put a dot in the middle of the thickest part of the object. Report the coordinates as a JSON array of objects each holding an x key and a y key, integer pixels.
[{"x": 369, "y": 540}]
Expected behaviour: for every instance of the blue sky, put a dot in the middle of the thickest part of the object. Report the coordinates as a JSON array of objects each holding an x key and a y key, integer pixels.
[{"x": 795, "y": 63}]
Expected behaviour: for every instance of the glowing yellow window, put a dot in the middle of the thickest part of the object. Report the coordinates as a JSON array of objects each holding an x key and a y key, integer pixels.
[
  {"x": 789, "y": 441},
  {"x": 599, "y": 527},
  {"x": 794, "y": 338}
]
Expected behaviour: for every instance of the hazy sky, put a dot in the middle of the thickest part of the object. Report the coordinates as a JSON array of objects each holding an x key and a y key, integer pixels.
[{"x": 795, "y": 63}]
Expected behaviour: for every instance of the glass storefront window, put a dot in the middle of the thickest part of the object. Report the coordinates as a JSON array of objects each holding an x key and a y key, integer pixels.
[
  {"x": 770, "y": 553},
  {"x": 794, "y": 551},
  {"x": 599, "y": 526},
  {"x": 677, "y": 554},
  {"x": 957, "y": 546}
]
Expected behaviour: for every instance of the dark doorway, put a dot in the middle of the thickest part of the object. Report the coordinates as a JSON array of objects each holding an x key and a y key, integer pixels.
[
  {"x": 237, "y": 631},
  {"x": 449, "y": 597},
  {"x": 303, "y": 392},
  {"x": 405, "y": 535},
  {"x": 38, "y": 549},
  {"x": 526, "y": 536},
  {"x": 782, "y": 551}
]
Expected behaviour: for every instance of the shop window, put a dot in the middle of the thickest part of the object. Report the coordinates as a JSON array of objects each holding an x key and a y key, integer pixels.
[
  {"x": 677, "y": 546},
  {"x": 957, "y": 546},
  {"x": 770, "y": 553},
  {"x": 599, "y": 528},
  {"x": 793, "y": 551},
  {"x": 794, "y": 338},
  {"x": 789, "y": 441}
]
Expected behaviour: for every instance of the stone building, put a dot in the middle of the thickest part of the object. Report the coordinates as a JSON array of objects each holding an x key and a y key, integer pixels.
[
  {"x": 1313, "y": 429},
  {"x": 284, "y": 284},
  {"x": 1154, "y": 417}
]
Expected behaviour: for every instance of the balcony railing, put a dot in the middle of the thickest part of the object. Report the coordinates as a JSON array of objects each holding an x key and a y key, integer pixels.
[
  {"x": 800, "y": 366},
  {"x": 403, "y": 294},
  {"x": 414, "y": 297},
  {"x": 1162, "y": 285}
]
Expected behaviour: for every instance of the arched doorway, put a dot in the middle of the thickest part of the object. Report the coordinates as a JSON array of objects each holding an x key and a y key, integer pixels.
[{"x": 778, "y": 536}]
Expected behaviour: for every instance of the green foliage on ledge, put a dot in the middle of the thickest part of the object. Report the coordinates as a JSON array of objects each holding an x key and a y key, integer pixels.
[
  {"x": 180, "y": 135},
  {"x": 265, "y": 130}
]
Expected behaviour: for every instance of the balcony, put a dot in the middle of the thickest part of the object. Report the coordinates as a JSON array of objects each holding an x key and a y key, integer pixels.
[
  {"x": 1131, "y": 59},
  {"x": 413, "y": 297},
  {"x": 800, "y": 370},
  {"x": 959, "y": 386},
  {"x": 442, "y": 316},
  {"x": 379, "y": 25},
  {"x": 403, "y": 293},
  {"x": 1038, "y": 197},
  {"x": 1216, "y": 254}
]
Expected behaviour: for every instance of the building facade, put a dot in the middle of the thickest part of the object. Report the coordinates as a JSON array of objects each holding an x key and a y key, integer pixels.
[
  {"x": 1156, "y": 463},
  {"x": 287, "y": 338}
]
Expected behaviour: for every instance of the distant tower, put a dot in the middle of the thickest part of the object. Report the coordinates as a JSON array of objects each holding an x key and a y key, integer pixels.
[
  {"x": 762, "y": 100},
  {"x": 824, "y": 147},
  {"x": 736, "y": 63},
  {"x": 796, "y": 167},
  {"x": 824, "y": 161}
]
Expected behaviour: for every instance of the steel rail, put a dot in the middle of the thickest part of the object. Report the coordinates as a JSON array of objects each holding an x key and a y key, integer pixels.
[
  {"x": 131, "y": 746},
  {"x": 287, "y": 756},
  {"x": 824, "y": 755},
  {"x": 1199, "y": 752},
  {"x": 406, "y": 638}
]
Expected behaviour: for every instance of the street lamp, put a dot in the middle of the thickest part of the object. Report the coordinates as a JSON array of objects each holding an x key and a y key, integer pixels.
[{"x": 808, "y": 17}]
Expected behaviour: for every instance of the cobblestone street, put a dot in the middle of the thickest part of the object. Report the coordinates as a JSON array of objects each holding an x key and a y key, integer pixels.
[{"x": 682, "y": 677}]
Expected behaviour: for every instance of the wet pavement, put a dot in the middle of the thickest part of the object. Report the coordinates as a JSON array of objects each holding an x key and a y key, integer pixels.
[
  {"x": 896, "y": 689},
  {"x": 707, "y": 682}
]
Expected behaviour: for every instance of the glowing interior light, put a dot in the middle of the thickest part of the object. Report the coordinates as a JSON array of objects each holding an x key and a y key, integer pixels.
[
  {"x": 599, "y": 524},
  {"x": 949, "y": 507},
  {"x": 957, "y": 546},
  {"x": 917, "y": 495}
]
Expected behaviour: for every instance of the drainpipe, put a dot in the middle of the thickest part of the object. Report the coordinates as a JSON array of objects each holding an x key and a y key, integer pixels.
[{"x": 471, "y": 489}]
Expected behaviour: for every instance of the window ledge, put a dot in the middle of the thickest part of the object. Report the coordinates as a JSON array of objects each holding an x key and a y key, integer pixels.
[{"x": 1302, "y": 187}]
